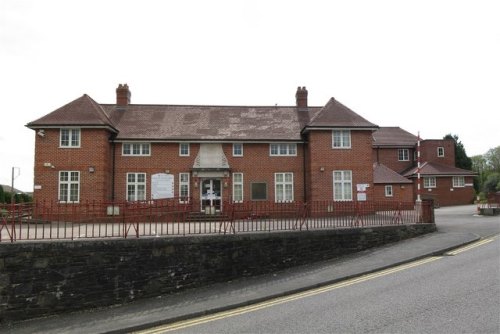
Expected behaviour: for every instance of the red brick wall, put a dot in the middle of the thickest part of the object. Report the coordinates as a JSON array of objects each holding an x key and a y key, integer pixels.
[
  {"x": 321, "y": 155},
  {"x": 164, "y": 157},
  {"x": 429, "y": 152},
  {"x": 256, "y": 165},
  {"x": 444, "y": 194},
  {"x": 94, "y": 151},
  {"x": 389, "y": 158},
  {"x": 401, "y": 193}
]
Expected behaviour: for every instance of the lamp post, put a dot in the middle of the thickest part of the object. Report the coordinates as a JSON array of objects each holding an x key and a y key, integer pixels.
[{"x": 12, "y": 192}]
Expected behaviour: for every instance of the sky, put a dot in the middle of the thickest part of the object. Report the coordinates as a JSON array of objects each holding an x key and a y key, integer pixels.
[{"x": 428, "y": 66}]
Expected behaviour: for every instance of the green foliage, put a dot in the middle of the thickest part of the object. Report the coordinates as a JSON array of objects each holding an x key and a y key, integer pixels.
[
  {"x": 461, "y": 158},
  {"x": 492, "y": 183},
  {"x": 2, "y": 195},
  {"x": 492, "y": 158}
]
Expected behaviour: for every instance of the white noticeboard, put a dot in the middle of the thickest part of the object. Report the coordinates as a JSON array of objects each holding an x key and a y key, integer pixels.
[
  {"x": 162, "y": 186},
  {"x": 361, "y": 194}
]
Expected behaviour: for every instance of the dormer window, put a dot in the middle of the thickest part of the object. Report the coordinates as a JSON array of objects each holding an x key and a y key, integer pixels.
[{"x": 69, "y": 138}]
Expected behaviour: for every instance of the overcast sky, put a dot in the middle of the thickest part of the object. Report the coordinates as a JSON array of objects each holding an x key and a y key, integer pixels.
[{"x": 428, "y": 66}]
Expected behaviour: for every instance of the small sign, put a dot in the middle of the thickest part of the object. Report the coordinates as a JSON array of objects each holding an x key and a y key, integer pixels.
[
  {"x": 361, "y": 187},
  {"x": 38, "y": 187},
  {"x": 361, "y": 197},
  {"x": 162, "y": 186}
]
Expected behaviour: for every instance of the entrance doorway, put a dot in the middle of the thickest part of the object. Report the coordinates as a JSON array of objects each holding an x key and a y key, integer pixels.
[{"x": 211, "y": 195}]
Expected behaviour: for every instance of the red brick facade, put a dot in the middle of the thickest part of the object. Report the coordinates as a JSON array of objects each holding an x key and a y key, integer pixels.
[{"x": 102, "y": 168}]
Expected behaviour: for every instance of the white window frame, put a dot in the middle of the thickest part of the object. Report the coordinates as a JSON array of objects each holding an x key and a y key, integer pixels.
[
  {"x": 184, "y": 187},
  {"x": 283, "y": 149},
  {"x": 440, "y": 152},
  {"x": 429, "y": 182},
  {"x": 341, "y": 139},
  {"x": 184, "y": 147},
  {"x": 237, "y": 188},
  {"x": 237, "y": 149},
  {"x": 69, "y": 183},
  {"x": 136, "y": 149},
  {"x": 136, "y": 185},
  {"x": 73, "y": 140},
  {"x": 403, "y": 154},
  {"x": 389, "y": 191},
  {"x": 283, "y": 187},
  {"x": 342, "y": 181},
  {"x": 458, "y": 181}
]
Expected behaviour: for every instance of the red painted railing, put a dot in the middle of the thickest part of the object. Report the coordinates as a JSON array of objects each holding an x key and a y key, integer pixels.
[{"x": 93, "y": 219}]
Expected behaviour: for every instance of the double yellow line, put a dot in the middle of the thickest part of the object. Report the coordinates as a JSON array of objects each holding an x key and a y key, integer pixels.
[
  {"x": 472, "y": 245},
  {"x": 281, "y": 300}
]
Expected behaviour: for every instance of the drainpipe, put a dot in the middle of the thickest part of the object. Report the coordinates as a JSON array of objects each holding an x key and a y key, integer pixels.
[
  {"x": 113, "y": 144},
  {"x": 304, "y": 169}
]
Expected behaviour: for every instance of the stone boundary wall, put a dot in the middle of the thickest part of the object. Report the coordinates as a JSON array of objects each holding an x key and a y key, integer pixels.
[{"x": 44, "y": 278}]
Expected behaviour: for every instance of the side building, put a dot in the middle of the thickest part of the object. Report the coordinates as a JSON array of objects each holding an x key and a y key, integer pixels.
[{"x": 395, "y": 152}]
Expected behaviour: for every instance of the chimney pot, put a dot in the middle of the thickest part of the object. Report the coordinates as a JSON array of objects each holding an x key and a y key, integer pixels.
[
  {"x": 301, "y": 97},
  {"x": 122, "y": 95}
]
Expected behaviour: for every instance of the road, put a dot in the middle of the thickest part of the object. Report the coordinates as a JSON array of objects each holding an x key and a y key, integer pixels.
[{"x": 455, "y": 293}]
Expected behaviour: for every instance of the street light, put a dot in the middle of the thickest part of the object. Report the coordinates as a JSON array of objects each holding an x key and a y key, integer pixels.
[{"x": 12, "y": 192}]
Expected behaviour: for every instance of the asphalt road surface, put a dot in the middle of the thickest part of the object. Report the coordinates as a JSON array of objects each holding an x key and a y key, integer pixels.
[{"x": 455, "y": 293}]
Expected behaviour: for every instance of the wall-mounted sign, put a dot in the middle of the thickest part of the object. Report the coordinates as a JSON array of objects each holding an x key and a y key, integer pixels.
[{"x": 162, "y": 186}]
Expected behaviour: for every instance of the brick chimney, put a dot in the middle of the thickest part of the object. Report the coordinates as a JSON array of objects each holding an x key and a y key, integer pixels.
[
  {"x": 301, "y": 97},
  {"x": 122, "y": 95}
]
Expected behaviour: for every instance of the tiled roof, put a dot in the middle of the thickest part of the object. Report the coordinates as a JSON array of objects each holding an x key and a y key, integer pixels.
[
  {"x": 203, "y": 123},
  {"x": 383, "y": 174},
  {"x": 83, "y": 111},
  {"x": 335, "y": 115},
  {"x": 434, "y": 169},
  {"x": 219, "y": 123},
  {"x": 393, "y": 137}
]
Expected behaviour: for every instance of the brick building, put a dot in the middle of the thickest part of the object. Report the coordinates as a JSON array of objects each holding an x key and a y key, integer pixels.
[{"x": 212, "y": 154}]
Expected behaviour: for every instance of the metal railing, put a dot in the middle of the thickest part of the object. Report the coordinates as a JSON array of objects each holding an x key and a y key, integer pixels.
[{"x": 177, "y": 217}]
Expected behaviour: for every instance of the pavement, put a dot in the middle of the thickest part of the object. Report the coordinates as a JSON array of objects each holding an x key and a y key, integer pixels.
[{"x": 146, "y": 313}]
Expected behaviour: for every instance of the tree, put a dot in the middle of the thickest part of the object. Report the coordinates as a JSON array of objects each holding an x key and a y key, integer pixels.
[
  {"x": 2, "y": 195},
  {"x": 492, "y": 158},
  {"x": 492, "y": 183},
  {"x": 461, "y": 158}
]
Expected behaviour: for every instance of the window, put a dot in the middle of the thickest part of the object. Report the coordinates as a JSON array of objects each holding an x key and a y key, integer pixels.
[
  {"x": 440, "y": 152},
  {"x": 388, "y": 191},
  {"x": 69, "y": 138},
  {"x": 342, "y": 185},
  {"x": 341, "y": 139},
  {"x": 237, "y": 150},
  {"x": 283, "y": 187},
  {"x": 458, "y": 182},
  {"x": 136, "y": 149},
  {"x": 403, "y": 154},
  {"x": 237, "y": 187},
  {"x": 259, "y": 191},
  {"x": 184, "y": 149},
  {"x": 283, "y": 149},
  {"x": 69, "y": 186},
  {"x": 430, "y": 182},
  {"x": 184, "y": 187},
  {"x": 136, "y": 187}
]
